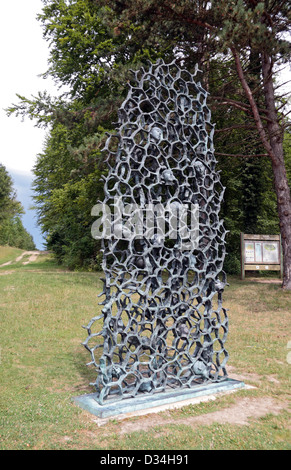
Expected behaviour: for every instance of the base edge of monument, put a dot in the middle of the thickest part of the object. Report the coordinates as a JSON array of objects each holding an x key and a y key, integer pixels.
[{"x": 146, "y": 404}]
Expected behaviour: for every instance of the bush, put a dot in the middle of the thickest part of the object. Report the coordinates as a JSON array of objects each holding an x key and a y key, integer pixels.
[{"x": 232, "y": 264}]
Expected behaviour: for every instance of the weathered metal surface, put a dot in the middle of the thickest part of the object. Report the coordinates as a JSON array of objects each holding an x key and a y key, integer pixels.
[
  {"x": 158, "y": 402},
  {"x": 162, "y": 325}
]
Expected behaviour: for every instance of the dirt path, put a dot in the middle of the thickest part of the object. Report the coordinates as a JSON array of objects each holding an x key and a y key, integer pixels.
[
  {"x": 33, "y": 255},
  {"x": 240, "y": 413},
  {"x": 265, "y": 281}
]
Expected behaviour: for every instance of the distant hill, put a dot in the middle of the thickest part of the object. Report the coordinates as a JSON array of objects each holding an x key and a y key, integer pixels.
[{"x": 22, "y": 184}]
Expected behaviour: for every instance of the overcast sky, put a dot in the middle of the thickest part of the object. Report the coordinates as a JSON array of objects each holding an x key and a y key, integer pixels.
[{"x": 24, "y": 55}]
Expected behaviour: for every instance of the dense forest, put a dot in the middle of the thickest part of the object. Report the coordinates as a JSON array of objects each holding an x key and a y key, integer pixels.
[
  {"x": 12, "y": 232},
  {"x": 239, "y": 46}
]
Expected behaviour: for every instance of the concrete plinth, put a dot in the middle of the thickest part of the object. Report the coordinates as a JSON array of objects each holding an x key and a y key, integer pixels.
[{"x": 150, "y": 403}]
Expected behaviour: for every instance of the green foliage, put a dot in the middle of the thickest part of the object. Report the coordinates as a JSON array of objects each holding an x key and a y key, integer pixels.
[
  {"x": 91, "y": 57},
  {"x": 69, "y": 223},
  {"x": 9, "y": 207},
  {"x": 93, "y": 46},
  {"x": 12, "y": 232},
  {"x": 67, "y": 184},
  {"x": 258, "y": 24}
]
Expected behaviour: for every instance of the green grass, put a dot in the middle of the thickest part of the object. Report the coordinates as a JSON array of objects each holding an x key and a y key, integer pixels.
[
  {"x": 42, "y": 366},
  {"x": 8, "y": 253},
  {"x": 44, "y": 261}
]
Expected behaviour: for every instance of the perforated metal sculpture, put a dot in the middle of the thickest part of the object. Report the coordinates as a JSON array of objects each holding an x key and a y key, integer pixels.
[{"x": 162, "y": 324}]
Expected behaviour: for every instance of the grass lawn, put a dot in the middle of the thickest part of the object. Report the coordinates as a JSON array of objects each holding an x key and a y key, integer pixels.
[
  {"x": 42, "y": 365},
  {"x": 8, "y": 253}
]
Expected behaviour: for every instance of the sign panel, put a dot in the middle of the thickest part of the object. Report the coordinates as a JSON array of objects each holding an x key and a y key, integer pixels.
[
  {"x": 249, "y": 252},
  {"x": 271, "y": 252},
  {"x": 260, "y": 252}
]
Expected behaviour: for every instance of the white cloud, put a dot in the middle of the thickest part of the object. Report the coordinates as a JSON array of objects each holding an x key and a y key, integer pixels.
[{"x": 24, "y": 55}]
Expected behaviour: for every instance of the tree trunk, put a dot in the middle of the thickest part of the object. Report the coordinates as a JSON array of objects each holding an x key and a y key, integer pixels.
[
  {"x": 272, "y": 140},
  {"x": 284, "y": 211},
  {"x": 279, "y": 170}
]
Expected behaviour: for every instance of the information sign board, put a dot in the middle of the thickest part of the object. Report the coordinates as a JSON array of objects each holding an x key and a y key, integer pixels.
[{"x": 260, "y": 252}]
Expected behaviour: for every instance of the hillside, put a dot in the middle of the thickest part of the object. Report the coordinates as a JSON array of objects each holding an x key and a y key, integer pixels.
[
  {"x": 8, "y": 253},
  {"x": 12, "y": 258}
]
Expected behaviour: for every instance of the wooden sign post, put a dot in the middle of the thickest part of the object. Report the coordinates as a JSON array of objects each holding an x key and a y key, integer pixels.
[{"x": 261, "y": 253}]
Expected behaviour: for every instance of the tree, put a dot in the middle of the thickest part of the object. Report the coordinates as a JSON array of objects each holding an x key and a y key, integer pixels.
[
  {"x": 9, "y": 206},
  {"x": 242, "y": 28},
  {"x": 238, "y": 44},
  {"x": 12, "y": 231},
  {"x": 66, "y": 185}
]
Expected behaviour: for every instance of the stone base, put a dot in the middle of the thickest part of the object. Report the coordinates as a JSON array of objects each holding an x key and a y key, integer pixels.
[{"x": 151, "y": 402}]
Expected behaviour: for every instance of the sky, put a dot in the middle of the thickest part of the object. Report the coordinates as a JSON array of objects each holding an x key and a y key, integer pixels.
[{"x": 24, "y": 56}]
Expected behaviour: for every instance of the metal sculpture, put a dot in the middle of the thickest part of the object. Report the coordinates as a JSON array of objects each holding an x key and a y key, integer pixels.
[{"x": 162, "y": 324}]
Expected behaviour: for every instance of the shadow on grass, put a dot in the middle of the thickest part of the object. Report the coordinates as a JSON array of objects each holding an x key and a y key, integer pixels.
[{"x": 87, "y": 374}]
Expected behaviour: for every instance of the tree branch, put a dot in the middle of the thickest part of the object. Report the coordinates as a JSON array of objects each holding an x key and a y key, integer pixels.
[
  {"x": 254, "y": 107},
  {"x": 237, "y": 103},
  {"x": 237, "y": 126},
  {"x": 188, "y": 20}
]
